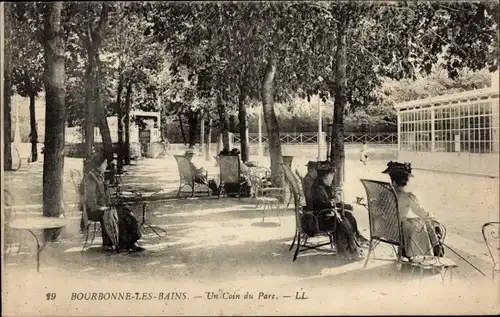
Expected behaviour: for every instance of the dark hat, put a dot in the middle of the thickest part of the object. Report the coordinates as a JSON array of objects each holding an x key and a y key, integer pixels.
[
  {"x": 235, "y": 151},
  {"x": 189, "y": 152},
  {"x": 398, "y": 168},
  {"x": 312, "y": 164},
  {"x": 324, "y": 168}
]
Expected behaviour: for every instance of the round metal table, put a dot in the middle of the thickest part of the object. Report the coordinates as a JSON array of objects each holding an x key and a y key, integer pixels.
[
  {"x": 142, "y": 193},
  {"x": 38, "y": 223}
]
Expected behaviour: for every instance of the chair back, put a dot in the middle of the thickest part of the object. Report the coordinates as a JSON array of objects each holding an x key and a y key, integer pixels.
[
  {"x": 288, "y": 160},
  {"x": 491, "y": 234},
  {"x": 229, "y": 169},
  {"x": 383, "y": 212},
  {"x": 185, "y": 173},
  {"x": 301, "y": 178},
  {"x": 296, "y": 190}
]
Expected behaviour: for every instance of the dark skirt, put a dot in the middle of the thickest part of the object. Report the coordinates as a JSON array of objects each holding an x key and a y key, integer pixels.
[
  {"x": 129, "y": 231},
  {"x": 344, "y": 232}
]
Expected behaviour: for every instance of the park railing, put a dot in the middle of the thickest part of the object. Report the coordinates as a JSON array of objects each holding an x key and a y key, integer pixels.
[{"x": 312, "y": 138}]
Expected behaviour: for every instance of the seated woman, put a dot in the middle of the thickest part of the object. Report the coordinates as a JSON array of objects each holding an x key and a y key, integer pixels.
[
  {"x": 329, "y": 218},
  {"x": 309, "y": 181},
  {"x": 419, "y": 232},
  {"x": 97, "y": 203}
]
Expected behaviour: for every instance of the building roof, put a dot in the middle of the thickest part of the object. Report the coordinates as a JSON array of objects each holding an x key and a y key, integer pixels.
[{"x": 484, "y": 93}]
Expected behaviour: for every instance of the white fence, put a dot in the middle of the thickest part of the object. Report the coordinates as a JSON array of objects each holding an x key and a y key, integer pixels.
[{"x": 312, "y": 138}]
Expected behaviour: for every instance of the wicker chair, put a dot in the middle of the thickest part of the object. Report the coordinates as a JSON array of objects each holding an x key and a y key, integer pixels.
[
  {"x": 230, "y": 174},
  {"x": 302, "y": 238},
  {"x": 287, "y": 160},
  {"x": 187, "y": 178},
  {"x": 386, "y": 227}
]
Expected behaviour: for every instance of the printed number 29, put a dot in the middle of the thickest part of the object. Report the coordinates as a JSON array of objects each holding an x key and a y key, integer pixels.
[{"x": 50, "y": 296}]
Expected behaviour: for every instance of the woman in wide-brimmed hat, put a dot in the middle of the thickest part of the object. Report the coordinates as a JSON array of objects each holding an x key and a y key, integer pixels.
[
  {"x": 119, "y": 226},
  {"x": 326, "y": 208},
  {"x": 419, "y": 225}
]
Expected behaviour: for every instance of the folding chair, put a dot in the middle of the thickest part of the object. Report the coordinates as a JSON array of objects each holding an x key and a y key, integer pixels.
[
  {"x": 305, "y": 245},
  {"x": 187, "y": 178},
  {"x": 386, "y": 227},
  {"x": 266, "y": 196},
  {"x": 491, "y": 233}
]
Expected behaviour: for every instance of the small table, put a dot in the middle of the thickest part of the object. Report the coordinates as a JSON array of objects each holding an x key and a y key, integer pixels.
[
  {"x": 139, "y": 193},
  {"x": 30, "y": 224}
]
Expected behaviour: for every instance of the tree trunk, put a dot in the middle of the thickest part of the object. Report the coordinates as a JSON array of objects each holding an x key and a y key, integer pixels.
[
  {"x": 337, "y": 144},
  {"x": 53, "y": 163},
  {"x": 272, "y": 126},
  {"x": 223, "y": 121},
  {"x": 92, "y": 44},
  {"x": 34, "y": 132},
  {"x": 193, "y": 128},
  {"x": 209, "y": 138},
  {"x": 7, "y": 90},
  {"x": 181, "y": 125},
  {"x": 202, "y": 131},
  {"x": 89, "y": 101},
  {"x": 119, "y": 115},
  {"x": 243, "y": 125},
  {"x": 128, "y": 100},
  {"x": 107, "y": 143}
]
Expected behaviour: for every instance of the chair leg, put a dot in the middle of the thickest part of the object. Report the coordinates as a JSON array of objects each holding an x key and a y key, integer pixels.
[
  {"x": 278, "y": 209},
  {"x": 263, "y": 211},
  {"x": 289, "y": 199},
  {"x": 369, "y": 252},
  {"x": 20, "y": 244},
  {"x": 293, "y": 242},
  {"x": 95, "y": 230},
  {"x": 332, "y": 243},
  {"x": 86, "y": 237},
  {"x": 297, "y": 249}
]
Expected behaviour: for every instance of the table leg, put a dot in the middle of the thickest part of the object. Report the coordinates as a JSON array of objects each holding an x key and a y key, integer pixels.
[
  {"x": 38, "y": 250},
  {"x": 145, "y": 224}
]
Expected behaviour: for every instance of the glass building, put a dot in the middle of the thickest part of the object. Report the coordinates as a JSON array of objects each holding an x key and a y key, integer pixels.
[{"x": 457, "y": 132}]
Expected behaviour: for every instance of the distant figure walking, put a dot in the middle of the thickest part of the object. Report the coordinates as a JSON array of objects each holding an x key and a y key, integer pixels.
[{"x": 364, "y": 153}]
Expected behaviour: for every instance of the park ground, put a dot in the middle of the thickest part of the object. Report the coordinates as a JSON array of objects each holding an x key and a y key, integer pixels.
[{"x": 223, "y": 246}]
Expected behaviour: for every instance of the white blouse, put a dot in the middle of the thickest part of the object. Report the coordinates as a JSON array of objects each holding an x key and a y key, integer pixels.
[{"x": 409, "y": 205}]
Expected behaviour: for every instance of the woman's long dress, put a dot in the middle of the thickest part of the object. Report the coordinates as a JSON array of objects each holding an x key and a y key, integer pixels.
[
  {"x": 344, "y": 229},
  {"x": 95, "y": 198},
  {"x": 419, "y": 235}
]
